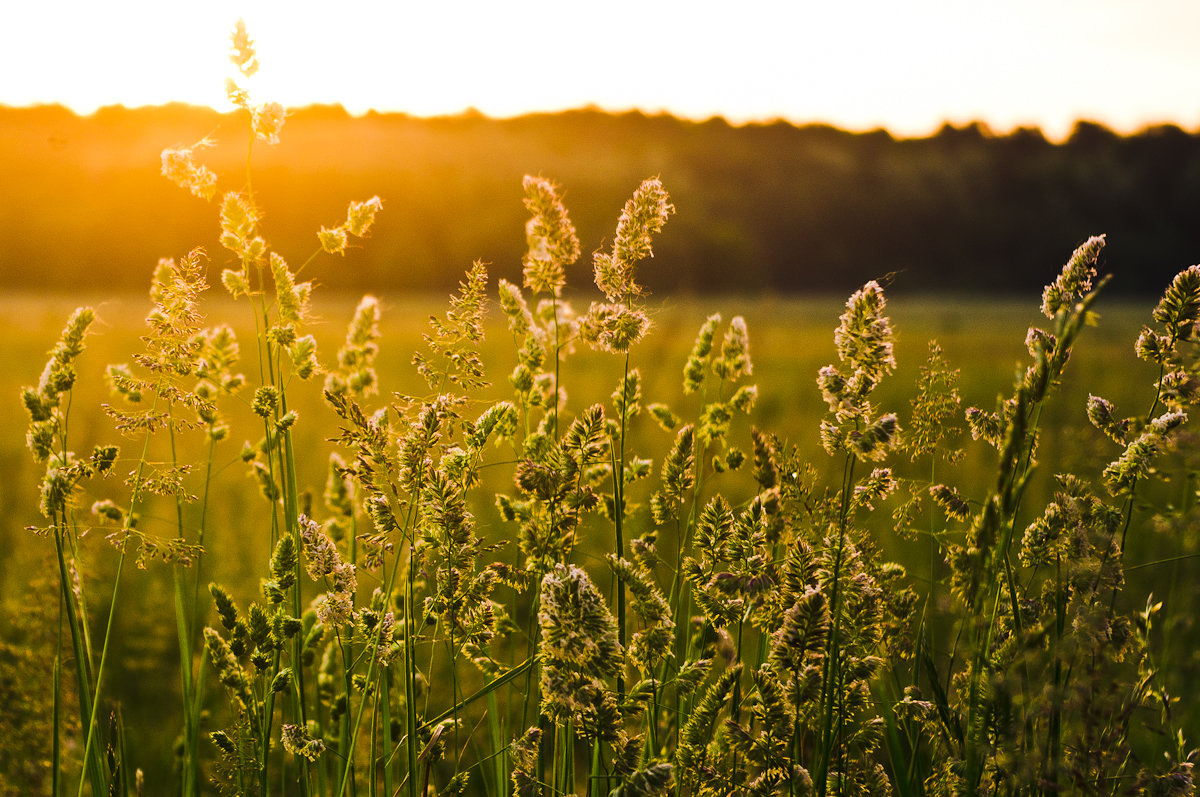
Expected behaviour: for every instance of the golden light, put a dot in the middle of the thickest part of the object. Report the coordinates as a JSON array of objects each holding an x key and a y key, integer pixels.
[{"x": 907, "y": 66}]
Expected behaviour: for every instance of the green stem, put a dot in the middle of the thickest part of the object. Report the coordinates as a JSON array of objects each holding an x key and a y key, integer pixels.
[
  {"x": 56, "y": 754},
  {"x": 266, "y": 720},
  {"x": 568, "y": 758},
  {"x": 831, "y": 690},
  {"x": 292, "y": 519},
  {"x": 496, "y": 729},
  {"x": 88, "y": 750},
  {"x": 185, "y": 628},
  {"x": 371, "y": 782},
  {"x": 83, "y": 668},
  {"x": 410, "y": 667},
  {"x": 344, "y": 720},
  {"x": 619, "y": 512},
  {"x": 594, "y": 776}
]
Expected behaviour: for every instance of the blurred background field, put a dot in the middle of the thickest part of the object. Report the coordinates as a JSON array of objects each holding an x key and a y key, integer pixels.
[
  {"x": 762, "y": 207},
  {"x": 791, "y": 338}
]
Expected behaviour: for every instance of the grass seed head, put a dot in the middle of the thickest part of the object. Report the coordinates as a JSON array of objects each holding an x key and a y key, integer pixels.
[
  {"x": 864, "y": 337},
  {"x": 297, "y": 741},
  {"x": 1075, "y": 281},
  {"x": 613, "y": 327},
  {"x": 333, "y": 240},
  {"x": 267, "y": 120},
  {"x": 360, "y": 216},
  {"x": 644, "y": 215},
  {"x": 734, "y": 362},
  {"x": 693, "y": 372},
  {"x": 1179, "y": 308},
  {"x": 180, "y": 167},
  {"x": 241, "y": 50},
  {"x": 552, "y": 242}
]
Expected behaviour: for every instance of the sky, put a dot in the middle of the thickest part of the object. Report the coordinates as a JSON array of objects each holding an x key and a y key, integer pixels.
[{"x": 907, "y": 65}]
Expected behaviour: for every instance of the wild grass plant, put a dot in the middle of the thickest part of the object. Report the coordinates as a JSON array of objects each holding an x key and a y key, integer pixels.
[{"x": 663, "y": 600}]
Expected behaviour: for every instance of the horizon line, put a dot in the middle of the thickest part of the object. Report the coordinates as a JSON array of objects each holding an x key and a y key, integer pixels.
[{"x": 987, "y": 128}]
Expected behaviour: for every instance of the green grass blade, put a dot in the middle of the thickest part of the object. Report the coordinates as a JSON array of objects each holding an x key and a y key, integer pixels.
[
  {"x": 483, "y": 691},
  {"x": 901, "y": 766}
]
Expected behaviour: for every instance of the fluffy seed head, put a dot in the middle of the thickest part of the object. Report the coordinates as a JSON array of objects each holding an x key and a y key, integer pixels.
[
  {"x": 241, "y": 51},
  {"x": 578, "y": 632},
  {"x": 291, "y": 296},
  {"x": 297, "y": 741},
  {"x": 551, "y": 238},
  {"x": 644, "y": 215},
  {"x": 1179, "y": 307},
  {"x": 734, "y": 362},
  {"x": 864, "y": 337},
  {"x": 179, "y": 166},
  {"x": 361, "y": 215},
  {"x": 267, "y": 120},
  {"x": 1075, "y": 281},
  {"x": 693, "y": 372},
  {"x": 613, "y": 327},
  {"x": 333, "y": 240}
]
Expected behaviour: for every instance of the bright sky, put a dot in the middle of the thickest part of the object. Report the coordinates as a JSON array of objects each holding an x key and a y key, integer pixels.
[{"x": 907, "y": 65}]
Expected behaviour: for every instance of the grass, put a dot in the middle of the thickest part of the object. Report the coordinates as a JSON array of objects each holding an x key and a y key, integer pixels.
[
  {"x": 790, "y": 339},
  {"x": 789, "y": 343},
  {"x": 555, "y": 551}
]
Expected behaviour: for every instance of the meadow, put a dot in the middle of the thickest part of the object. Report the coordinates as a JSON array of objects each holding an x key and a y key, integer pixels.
[
  {"x": 790, "y": 341},
  {"x": 568, "y": 537}
]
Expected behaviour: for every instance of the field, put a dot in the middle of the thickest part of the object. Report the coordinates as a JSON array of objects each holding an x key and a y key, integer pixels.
[
  {"x": 790, "y": 341},
  {"x": 553, "y": 535}
]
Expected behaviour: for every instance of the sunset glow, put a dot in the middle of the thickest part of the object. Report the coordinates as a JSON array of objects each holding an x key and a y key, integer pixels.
[{"x": 908, "y": 67}]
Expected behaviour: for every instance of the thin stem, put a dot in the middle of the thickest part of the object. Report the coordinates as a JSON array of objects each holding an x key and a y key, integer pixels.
[
  {"x": 619, "y": 512},
  {"x": 185, "y": 626},
  {"x": 112, "y": 611},
  {"x": 831, "y": 689},
  {"x": 56, "y": 754}
]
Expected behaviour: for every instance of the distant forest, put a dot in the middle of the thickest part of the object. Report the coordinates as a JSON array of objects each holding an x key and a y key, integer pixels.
[{"x": 761, "y": 207}]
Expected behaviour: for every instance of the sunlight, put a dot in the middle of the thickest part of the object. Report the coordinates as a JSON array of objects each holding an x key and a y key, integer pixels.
[
  {"x": 908, "y": 67},
  {"x": 243, "y": 553}
]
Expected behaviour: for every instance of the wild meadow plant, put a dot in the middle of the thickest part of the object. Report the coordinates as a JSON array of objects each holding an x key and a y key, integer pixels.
[{"x": 721, "y": 621}]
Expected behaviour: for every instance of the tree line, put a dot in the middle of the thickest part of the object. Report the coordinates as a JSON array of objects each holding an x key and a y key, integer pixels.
[{"x": 761, "y": 207}]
